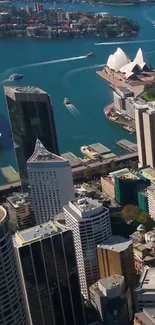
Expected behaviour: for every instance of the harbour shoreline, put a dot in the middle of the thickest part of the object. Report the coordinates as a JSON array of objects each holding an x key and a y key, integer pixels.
[{"x": 109, "y": 110}]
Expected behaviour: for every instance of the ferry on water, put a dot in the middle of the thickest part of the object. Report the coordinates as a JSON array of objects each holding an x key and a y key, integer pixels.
[
  {"x": 90, "y": 55},
  {"x": 16, "y": 76},
  {"x": 67, "y": 101}
]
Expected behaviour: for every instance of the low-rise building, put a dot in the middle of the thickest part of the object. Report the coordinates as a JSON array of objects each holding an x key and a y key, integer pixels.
[
  {"x": 150, "y": 236},
  {"x": 120, "y": 95},
  {"x": 146, "y": 317},
  {"x": 144, "y": 255},
  {"x": 145, "y": 292},
  {"x": 111, "y": 300},
  {"x": 108, "y": 188},
  {"x": 19, "y": 211}
]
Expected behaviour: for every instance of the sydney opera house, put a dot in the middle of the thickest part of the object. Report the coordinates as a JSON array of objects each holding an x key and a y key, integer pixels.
[
  {"x": 120, "y": 69},
  {"x": 119, "y": 61}
]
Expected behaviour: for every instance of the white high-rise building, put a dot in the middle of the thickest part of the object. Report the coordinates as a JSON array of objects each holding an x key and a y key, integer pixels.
[
  {"x": 11, "y": 304},
  {"x": 51, "y": 183},
  {"x": 90, "y": 223}
]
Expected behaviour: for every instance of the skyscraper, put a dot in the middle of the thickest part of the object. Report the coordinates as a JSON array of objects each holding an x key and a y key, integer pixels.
[
  {"x": 145, "y": 130},
  {"x": 47, "y": 267},
  {"x": 51, "y": 183},
  {"x": 90, "y": 222},
  {"x": 11, "y": 304},
  {"x": 31, "y": 116},
  {"x": 115, "y": 256}
]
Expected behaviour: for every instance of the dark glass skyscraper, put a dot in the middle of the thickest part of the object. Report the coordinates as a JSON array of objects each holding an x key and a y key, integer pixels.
[
  {"x": 47, "y": 265},
  {"x": 31, "y": 117}
]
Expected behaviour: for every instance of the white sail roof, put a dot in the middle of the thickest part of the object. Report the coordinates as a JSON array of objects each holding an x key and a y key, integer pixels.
[
  {"x": 117, "y": 60},
  {"x": 139, "y": 59}
]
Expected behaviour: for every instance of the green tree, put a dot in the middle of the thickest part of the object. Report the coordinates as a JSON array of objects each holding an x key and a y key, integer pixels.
[
  {"x": 130, "y": 212},
  {"x": 145, "y": 220}
]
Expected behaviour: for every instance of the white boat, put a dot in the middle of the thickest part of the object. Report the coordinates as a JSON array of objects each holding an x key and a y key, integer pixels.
[
  {"x": 67, "y": 101},
  {"x": 16, "y": 76}
]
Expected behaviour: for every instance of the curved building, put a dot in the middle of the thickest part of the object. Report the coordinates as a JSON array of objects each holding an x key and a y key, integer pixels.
[
  {"x": 90, "y": 223},
  {"x": 119, "y": 61},
  {"x": 11, "y": 303}
]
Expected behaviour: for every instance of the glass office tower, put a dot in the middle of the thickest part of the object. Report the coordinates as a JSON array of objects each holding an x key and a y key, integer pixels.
[
  {"x": 49, "y": 277},
  {"x": 31, "y": 117}
]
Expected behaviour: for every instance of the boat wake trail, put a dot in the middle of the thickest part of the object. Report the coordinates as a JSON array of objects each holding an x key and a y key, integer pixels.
[
  {"x": 38, "y": 64},
  {"x": 147, "y": 17},
  {"x": 71, "y": 72},
  {"x": 73, "y": 110},
  {"x": 3, "y": 82},
  {"x": 84, "y": 68},
  {"x": 126, "y": 42},
  {"x": 54, "y": 61}
]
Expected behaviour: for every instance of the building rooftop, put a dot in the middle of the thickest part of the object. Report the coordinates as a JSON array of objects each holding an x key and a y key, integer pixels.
[
  {"x": 41, "y": 154},
  {"x": 148, "y": 173},
  {"x": 147, "y": 317},
  {"x": 72, "y": 159},
  {"x": 108, "y": 155},
  {"x": 110, "y": 287},
  {"x": 140, "y": 247},
  {"x": 85, "y": 208},
  {"x": 124, "y": 90},
  {"x": 116, "y": 243},
  {"x": 99, "y": 148},
  {"x": 118, "y": 173},
  {"x": 85, "y": 204},
  {"x": 128, "y": 175},
  {"x": 111, "y": 281},
  {"x": 27, "y": 89},
  {"x": 39, "y": 232},
  {"x": 147, "y": 281},
  {"x": 19, "y": 199}
]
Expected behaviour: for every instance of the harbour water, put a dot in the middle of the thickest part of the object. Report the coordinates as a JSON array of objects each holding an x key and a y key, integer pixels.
[{"x": 43, "y": 63}]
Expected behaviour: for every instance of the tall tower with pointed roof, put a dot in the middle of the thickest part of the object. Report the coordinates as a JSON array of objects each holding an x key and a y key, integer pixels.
[{"x": 51, "y": 183}]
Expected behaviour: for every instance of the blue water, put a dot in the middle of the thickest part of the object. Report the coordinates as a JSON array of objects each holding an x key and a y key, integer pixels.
[{"x": 75, "y": 79}]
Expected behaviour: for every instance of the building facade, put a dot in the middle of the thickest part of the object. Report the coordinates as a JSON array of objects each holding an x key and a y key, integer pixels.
[
  {"x": 11, "y": 304},
  {"x": 19, "y": 211},
  {"x": 127, "y": 187},
  {"x": 145, "y": 131},
  {"x": 51, "y": 183},
  {"x": 151, "y": 200},
  {"x": 112, "y": 301},
  {"x": 90, "y": 223},
  {"x": 108, "y": 187},
  {"x": 145, "y": 291},
  {"x": 31, "y": 116},
  {"x": 47, "y": 266},
  {"x": 115, "y": 256}
]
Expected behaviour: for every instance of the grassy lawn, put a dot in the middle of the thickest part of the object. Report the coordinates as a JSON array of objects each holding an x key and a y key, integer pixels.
[{"x": 149, "y": 97}]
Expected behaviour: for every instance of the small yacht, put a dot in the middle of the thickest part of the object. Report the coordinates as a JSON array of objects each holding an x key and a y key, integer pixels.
[
  {"x": 67, "y": 101},
  {"x": 16, "y": 76}
]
